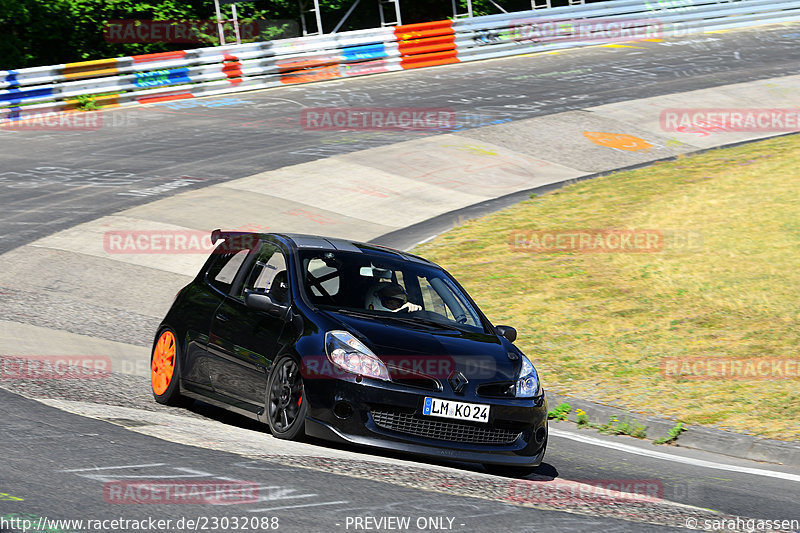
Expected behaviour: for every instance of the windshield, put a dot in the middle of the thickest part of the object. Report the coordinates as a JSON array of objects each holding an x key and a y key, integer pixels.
[{"x": 383, "y": 286}]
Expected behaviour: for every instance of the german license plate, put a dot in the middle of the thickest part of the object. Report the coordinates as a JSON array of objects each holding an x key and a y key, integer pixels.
[{"x": 458, "y": 410}]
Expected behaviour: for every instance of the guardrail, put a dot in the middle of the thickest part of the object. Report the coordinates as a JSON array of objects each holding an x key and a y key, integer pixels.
[{"x": 183, "y": 74}]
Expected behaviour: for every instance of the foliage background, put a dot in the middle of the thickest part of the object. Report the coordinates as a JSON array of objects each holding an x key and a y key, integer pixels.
[{"x": 47, "y": 32}]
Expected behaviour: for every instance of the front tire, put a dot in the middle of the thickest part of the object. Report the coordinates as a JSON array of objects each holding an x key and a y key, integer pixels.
[
  {"x": 165, "y": 370},
  {"x": 286, "y": 405}
]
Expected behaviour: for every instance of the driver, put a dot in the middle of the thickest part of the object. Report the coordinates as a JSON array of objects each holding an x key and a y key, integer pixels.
[{"x": 389, "y": 297}]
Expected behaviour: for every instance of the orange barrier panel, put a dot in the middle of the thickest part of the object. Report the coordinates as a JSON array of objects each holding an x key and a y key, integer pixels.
[
  {"x": 426, "y": 44},
  {"x": 313, "y": 62},
  {"x": 90, "y": 69},
  {"x": 311, "y": 74},
  {"x": 161, "y": 56},
  {"x": 232, "y": 68},
  {"x": 431, "y": 60},
  {"x": 320, "y": 67},
  {"x": 154, "y": 99},
  {"x": 423, "y": 30}
]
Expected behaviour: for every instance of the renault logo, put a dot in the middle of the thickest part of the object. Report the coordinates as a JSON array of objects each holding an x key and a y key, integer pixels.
[{"x": 458, "y": 381}]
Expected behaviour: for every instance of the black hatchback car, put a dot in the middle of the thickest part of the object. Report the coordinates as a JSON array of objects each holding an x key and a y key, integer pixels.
[{"x": 354, "y": 343}]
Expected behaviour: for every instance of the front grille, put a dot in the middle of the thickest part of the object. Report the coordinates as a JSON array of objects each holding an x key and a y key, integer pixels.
[
  {"x": 504, "y": 389},
  {"x": 419, "y": 383},
  {"x": 413, "y": 379},
  {"x": 441, "y": 430}
]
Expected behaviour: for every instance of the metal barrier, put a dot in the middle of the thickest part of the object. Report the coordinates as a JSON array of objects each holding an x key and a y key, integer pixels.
[
  {"x": 510, "y": 34},
  {"x": 219, "y": 70}
]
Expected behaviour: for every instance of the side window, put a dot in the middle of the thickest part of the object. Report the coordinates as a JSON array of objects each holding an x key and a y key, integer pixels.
[
  {"x": 268, "y": 274},
  {"x": 431, "y": 301},
  {"x": 399, "y": 275},
  {"x": 445, "y": 300},
  {"x": 223, "y": 271},
  {"x": 322, "y": 277}
]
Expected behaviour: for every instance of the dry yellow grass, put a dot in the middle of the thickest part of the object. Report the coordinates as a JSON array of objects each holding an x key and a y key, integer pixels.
[{"x": 599, "y": 325}]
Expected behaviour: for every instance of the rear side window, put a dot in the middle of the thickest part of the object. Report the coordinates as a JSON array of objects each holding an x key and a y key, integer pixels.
[
  {"x": 223, "y": 271},
  {"x": 268, "y": 268}
]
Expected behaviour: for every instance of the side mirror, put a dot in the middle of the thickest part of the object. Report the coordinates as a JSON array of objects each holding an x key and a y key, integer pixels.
[
  {"x": 508, "y": 332},
  {"x": 263, "y": 302}
]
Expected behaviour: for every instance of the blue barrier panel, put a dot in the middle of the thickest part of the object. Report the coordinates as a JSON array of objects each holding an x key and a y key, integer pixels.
[
  {"x": 364, "y": 51},
  {"x": 16, "y": 96},
  {"x": 157, "y": 78},
  {"x": 11, "y": 78}
]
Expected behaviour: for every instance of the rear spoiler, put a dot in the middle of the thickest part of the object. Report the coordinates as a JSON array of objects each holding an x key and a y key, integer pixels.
[{"x": 236, "y": 239}]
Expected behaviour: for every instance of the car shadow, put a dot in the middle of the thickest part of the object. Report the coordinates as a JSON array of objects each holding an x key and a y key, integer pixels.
[{"x": 544, "y": 472}]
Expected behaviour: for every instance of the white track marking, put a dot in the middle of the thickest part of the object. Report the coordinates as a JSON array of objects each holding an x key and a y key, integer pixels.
[
  {"x": 293, "y": 507},
  {"x": 674, "y": 458},
  {"x": 112, "y": 467},
  {"x": 285, "y": 100}
]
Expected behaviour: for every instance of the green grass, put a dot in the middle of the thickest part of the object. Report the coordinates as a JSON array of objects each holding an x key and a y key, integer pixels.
[
  {"x": 672, "y": 434},
  {"x": 599, "y": 325}
]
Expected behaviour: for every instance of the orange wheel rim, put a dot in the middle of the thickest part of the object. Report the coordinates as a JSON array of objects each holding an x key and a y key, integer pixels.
[{"x": 163, "y": 365}]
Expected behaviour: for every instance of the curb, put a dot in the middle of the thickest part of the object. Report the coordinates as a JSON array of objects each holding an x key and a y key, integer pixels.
[{"x": 696, "y": 437}]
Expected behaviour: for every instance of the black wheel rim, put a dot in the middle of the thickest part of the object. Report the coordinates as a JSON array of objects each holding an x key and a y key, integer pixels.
[{"x": 285, "y": 396}]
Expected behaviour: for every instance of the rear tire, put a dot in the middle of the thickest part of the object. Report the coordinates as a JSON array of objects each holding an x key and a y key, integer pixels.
[
  {"x": 286, "y": 405},
  {"x": 165, "y": 370}
]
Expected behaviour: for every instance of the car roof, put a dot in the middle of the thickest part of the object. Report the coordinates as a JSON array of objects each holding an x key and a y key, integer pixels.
[
  {"x": 317, "y": 242},
  {"x": 300, "y": 241}
]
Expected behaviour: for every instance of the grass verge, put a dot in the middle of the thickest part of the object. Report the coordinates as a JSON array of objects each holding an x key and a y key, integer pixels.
[{"x": 601, "y": 326}]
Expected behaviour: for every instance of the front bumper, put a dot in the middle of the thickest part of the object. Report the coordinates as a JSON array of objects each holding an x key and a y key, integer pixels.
[{"x": 524, "y": 419}]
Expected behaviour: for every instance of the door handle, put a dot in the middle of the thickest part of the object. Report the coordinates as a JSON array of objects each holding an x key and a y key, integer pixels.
[{"x": 221, "y": 317}]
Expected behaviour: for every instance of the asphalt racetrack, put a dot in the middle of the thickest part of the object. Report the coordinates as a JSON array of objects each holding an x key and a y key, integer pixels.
[
  {"x": 60, "y": 465},
  {"x": 58, "y": 179}
]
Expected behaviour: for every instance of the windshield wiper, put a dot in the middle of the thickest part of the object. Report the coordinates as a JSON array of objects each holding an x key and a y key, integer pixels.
[
  {"x": 415, "y": 321},
  {"x": 419, "y": 321},
  {"x": 351, "y": 312},
  {"x": 435, "y": 323}
]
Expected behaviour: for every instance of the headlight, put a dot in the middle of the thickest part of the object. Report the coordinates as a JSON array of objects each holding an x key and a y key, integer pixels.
[
  {"x": 528, "y": 384},
  {"x": 350, "y": 354}
]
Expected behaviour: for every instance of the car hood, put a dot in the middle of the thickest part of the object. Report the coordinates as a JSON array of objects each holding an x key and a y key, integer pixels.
[{"x": 434, "y": 352}]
